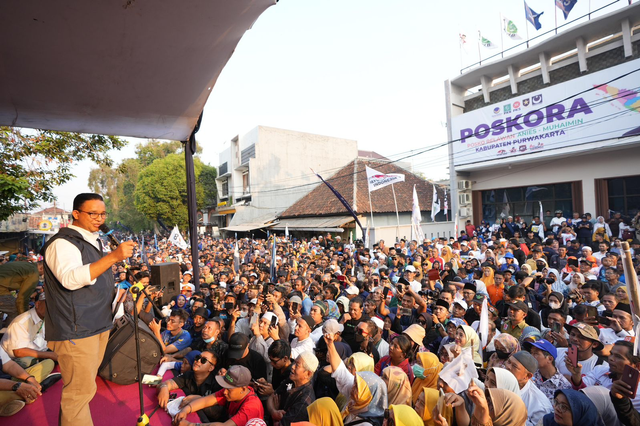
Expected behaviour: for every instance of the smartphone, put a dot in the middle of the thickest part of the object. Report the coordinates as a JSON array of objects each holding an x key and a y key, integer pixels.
[
  {"x": 385, "y": 292},
  {"x": 440, "y": 403},
  {"x": 406, "y": 312},
  {"x": 294, "y": 307},
  {"x": 572, "y": 262},
  {"x": 631, "y": 376},
  {"x": 228, "y": 306},
  {"x": 399, "y": 288},
  {"x": 592, "y": 311},
  {"x": 572, "y": 354},
  {"x": 556, "y": 327},
  {"x": 604, "y": 320},
  {"x": 273, "y": 321}
]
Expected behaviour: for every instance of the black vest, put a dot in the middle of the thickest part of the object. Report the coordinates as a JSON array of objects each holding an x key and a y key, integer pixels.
[{"x": 85, "y": 312}]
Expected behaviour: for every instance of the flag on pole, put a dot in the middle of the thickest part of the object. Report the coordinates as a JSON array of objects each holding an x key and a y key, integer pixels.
[
  {"x": 416, "y": 218},
  {"x": 505, "y": 206},
  {"x": 485, "y": 42},
  {"x": 532, "y": 16},
  {"x": 510, "y": 28},
  {"x": 236, "y": 258},
  {"x": 345, "y": 204},
  {"x": 446, "y": 205},
  {"x": 435, "y": 204},
  {"x": 455, "y": 225},
  {"x": 377, "y": 180},
  {"x": 541, "y": 227},
  {"x": 176, "y": 239},
  {"x": 273, "y": 261},
  {"x": 286, "y": 231},
  {"x": 463, "y": 39},
  {"x": 155, "y": 240},
  {"x": 565, "y": 6}
]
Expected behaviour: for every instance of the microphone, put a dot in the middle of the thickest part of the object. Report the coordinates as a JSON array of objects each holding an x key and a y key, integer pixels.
[{"x": 109, "y": 233}]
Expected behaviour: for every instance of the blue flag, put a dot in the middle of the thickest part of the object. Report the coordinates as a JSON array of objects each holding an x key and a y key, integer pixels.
[
  {"x": 346, "y": 206},
  {"x": 532, "y": 16},
  {"x": 565, "y": 6},
  {"x": 155, "y": 240}
]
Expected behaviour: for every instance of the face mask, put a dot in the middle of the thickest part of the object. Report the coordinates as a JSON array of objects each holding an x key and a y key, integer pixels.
[
  {"x": 243, "y": 314},
  {"x": 501, "y": 354},
  {"x": 418, "y": 371},
  {"x": 209, "y": 340},
  {"x": 554, "y": 305}
]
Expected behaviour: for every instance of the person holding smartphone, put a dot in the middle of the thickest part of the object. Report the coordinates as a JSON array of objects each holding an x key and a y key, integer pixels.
[
  {"x": 619, "y": 326},
  {"x": 584, "y": 339}
]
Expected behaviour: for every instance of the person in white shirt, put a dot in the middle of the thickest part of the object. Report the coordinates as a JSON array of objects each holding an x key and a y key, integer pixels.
[
  {"x": 557, "y": 221},
  {"x": 302, "y": 342},
  {"x": 523, "y": 366},
  {"x": 24, "y": 340},
  {"x": 605, "y": 375},
  {"x": 585, "y": 338},
  {"x": 620, "y": 327},
  {"x": 410, "y": 275},
  {"x": 604, "y": 250}
]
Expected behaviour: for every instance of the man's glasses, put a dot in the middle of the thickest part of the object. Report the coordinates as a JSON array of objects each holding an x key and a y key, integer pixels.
[
  {"x": 202, "y": 360},
  {"x": 93, "y": 215}
]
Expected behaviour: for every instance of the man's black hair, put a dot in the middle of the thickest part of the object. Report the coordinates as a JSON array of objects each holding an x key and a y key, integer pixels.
[
  {"x": 85, "y": 196},
  {"x": 280, "y": 349},
  {"x": 357, "y": 300}
]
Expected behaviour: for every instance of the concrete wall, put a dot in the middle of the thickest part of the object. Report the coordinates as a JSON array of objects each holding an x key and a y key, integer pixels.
[{"x": 430, "y": 230}]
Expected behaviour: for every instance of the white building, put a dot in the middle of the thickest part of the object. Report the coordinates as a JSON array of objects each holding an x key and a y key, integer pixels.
[
  {"x": 558, "y": 123},
  {"x": 264, "y": 172}
]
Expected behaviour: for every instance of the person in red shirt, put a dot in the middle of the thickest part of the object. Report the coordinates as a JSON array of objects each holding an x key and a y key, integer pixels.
[
  {"x": 240, "y": 401},
  {"x": 470, "y": 228}
]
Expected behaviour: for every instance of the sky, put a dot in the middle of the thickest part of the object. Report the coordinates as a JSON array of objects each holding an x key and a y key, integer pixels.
[{"x": 368, "y": 70}]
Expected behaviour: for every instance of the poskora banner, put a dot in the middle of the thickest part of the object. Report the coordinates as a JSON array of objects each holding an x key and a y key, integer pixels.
[{"x": 586, "y": 109}]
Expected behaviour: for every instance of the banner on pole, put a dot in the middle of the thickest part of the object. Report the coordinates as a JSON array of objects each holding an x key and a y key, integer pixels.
[{"x": 377, "y": 180}]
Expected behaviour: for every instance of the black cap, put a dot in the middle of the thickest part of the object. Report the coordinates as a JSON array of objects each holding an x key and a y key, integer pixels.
[
  {"x": 518, "y": 304},
  {"x": 443, "y": 303},
  {"x": 623, "y": 307},
  {"x": 470, "y": 286},
  {"x": 238, "y": 342},
  {"x": 201, "y": 312}
]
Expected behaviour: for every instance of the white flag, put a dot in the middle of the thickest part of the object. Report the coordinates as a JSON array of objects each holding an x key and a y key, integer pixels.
[
  {"x": 286, "y": 231},
  {"x": 541, "y": 227},
  {"x": 236, "y": 258},
  {"x": 459, "y": 372},
  {"x": 505, "y": 206},
  {"x": 485, "y": 42},
  {"x": 483, "y": 327},
  {"x": 176, "y": 238},
  {"x": 377, "y": 180},
  {"x": 510, "y": 28},
  {"x": 416, "y": 218},
  {"x": 435, "y": 204}
]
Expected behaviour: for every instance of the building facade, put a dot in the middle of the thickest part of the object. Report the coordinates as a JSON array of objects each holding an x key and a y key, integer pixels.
[{"x": 555, "y": 127}]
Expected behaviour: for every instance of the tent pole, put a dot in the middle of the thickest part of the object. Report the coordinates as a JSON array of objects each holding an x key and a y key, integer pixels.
[{"x": 192, "y": 203}]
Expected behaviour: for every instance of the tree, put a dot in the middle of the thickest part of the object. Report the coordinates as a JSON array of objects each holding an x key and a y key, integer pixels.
[
  {"x": 161, "y": 191},
  {"x": 33, "y": 163},
  {"x": 207, "y": 179}
]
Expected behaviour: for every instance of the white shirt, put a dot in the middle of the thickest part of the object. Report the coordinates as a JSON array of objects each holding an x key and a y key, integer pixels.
[
  {"x": 65, "y": 261},
  {"x": 25, "y": 331},
  {"x": 598, "y": 305},
  {"x": 416, "y": 286},
  {"x": 609, "y": 337},
  {"x": 599, "y": 255},
  {"x": 316, "y": 335},
  {"x": 556, "y": 222},
  {"x": 382, "y": 347},
  {"x": 536, "y": 402},
  {"x": 298, "y": 347},
  {"x": 587, "y": 364}
]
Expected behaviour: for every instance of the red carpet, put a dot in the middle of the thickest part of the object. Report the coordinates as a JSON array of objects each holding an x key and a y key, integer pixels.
[{"x": 112, "y": 405}]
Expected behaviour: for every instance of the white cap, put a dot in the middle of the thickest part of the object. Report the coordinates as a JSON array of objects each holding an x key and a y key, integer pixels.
[
  {"x": 461, "y": 303},
  {"x": 309, "y": 360},
  {"x": 377, "y": 321},
  {"x": 187, "y": 286},
  {"x": 222, "y": 284},
  {"x": 269, "y": 315},
  {"x": 352, "y": 289},
  {"x": 410, "y": 268}
]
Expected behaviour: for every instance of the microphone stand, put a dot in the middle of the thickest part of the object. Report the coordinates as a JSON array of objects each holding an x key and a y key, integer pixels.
[{"x": 143, "y": 419}]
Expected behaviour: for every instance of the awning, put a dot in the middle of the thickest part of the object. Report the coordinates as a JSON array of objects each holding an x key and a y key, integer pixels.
[
  {"x": 245, "y": 227},
  {"x": 314, "y": 224},
  {"x": 128, "y": 68}
]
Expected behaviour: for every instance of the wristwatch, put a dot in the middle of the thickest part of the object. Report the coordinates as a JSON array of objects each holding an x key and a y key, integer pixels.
[{"x": 16, "y": 386}]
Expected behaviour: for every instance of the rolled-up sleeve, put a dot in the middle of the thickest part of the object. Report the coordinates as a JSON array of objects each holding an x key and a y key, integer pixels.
[{"x": 65, "y": 261}]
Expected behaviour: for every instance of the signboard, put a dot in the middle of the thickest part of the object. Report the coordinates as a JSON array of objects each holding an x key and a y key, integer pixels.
[{"x": 599, "y": 106}]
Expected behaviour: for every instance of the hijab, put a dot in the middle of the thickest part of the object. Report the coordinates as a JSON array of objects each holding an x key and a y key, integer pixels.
[
  {"x": 505, "y": 380},
  {"x": 583, "y": 411},
  {"x": 404, "y": 415},
  {"x": 432, "y": 367},
  {"x": 473, "y": 342},
  {"x": 558, "y": 286},
  {"x": 398, "y": 386},
  {"x": 601, "y": 398},
  {"x": 361, "y": 361},
  {"x": 332, "y": 311},
  {"x": 511, "y": 346},
  {"x": 487, "y": 280},
  {"x": 526, "y": 268},
  {"x": 368, "y": 397},
  {"x": 508, "y": 408},
  {"x": 324, "y": 411},
  {"x": 431, "y": 397}
]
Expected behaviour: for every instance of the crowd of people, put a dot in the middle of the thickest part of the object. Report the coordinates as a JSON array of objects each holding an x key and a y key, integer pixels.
[{"x": 510, "y": 324}]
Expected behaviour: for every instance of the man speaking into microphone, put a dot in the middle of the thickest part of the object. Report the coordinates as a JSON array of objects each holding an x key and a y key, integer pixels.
[{"x": 80, "y": 289}]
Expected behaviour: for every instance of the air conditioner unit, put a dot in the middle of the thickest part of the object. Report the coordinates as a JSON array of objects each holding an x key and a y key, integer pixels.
[
  {"x": 465, "y": 212},
  {"x": 464, "y": 185},
  {"x": 464, "y": 199}
]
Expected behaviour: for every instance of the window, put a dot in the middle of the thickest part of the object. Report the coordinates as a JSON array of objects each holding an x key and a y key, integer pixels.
[
  {"x": 624, "y": 195},
  {"x": 525, "y": 201},
  {"x": 225, "y": 188},
  {"x": 245, "y": 183}
]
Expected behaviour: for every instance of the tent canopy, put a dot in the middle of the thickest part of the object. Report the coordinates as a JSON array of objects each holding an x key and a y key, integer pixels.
[{"x": 140, "y": 68}]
